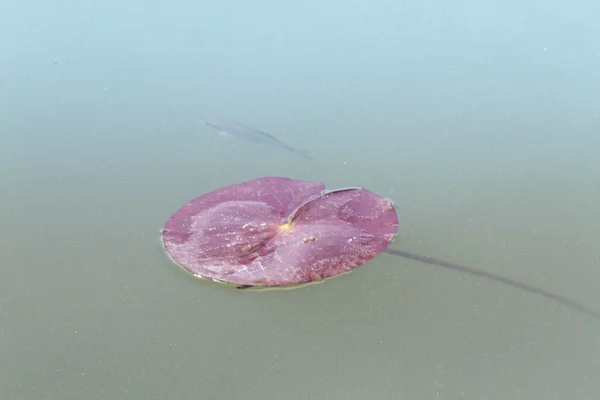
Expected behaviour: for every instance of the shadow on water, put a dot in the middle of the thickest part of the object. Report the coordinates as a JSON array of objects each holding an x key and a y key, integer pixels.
[{"x": 472, "y": 271}]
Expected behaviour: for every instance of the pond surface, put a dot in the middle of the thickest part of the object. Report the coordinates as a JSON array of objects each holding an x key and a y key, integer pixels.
[{"x": 480, "y": 122}]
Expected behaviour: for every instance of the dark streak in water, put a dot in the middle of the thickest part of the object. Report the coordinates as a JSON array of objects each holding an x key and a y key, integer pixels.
[{"x": 472, "y": 271}]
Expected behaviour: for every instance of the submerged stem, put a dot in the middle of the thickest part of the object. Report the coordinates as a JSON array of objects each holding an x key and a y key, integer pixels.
[{"x": 507, "y": 281}]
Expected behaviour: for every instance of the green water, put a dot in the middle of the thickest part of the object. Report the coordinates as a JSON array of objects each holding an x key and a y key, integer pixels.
[{"x": 480, "y": 123}]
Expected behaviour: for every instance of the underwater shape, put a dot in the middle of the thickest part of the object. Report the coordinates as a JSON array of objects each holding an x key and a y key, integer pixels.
[
  {"x": 278, "y": 231},
  {"x": 253, "y": 135}
]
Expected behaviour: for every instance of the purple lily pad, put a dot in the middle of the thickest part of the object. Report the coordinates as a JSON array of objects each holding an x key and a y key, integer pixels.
[{"x": 277, "y": 231}]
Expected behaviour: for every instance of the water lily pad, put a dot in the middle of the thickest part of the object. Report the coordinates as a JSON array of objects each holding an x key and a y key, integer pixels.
[{"x": 277, "y": 231}]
